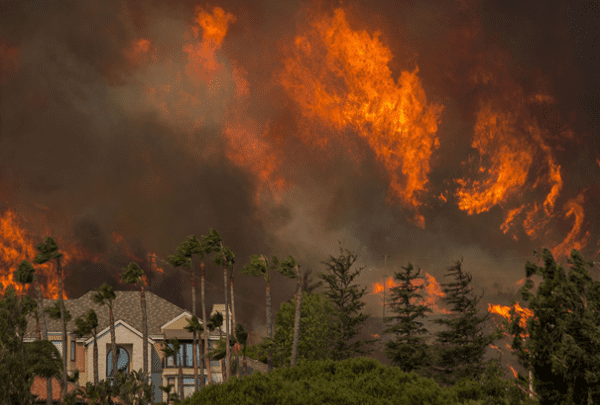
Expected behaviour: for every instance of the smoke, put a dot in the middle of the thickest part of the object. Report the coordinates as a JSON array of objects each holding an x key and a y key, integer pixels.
[{"x": 102, "y": 132}]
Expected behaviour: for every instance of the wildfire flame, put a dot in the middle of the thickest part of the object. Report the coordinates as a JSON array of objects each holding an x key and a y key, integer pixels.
[
  {"x": 432, "y": 292},
  {"x": 513, "y": 371},
  {"x": 504, "y": 311},
  {"x": 153, "y": 263},
  {"x": 16, "y": 244},
  {"x": 340, "y": 77}
]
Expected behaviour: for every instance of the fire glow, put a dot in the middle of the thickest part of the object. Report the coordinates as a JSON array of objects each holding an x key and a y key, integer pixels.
[
  {"x": 340, "y": 81},
  {"x": 430, "y": 293}
]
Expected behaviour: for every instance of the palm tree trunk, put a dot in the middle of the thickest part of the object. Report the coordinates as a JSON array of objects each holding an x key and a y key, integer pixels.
[
  {"x": 145, "y": 332},
  {"x": 530, "y": 386},
  {"x": 63, "y": 389},
  {"x": 113, "y": 342},
  {"x": 195, "y": 360},
  {"x": 245, "y": 363},
  {"x": 195, "y": 343},
  {"x": 180, "y": 379},
  {"x": 38, "y": 334},
  {"x": 269, "y": 327},
  {"x": 227, "y": 355},
  {"x": 206, "y": 357},
  {"x": 42, "y": 313},
  {"x": 95, "y": 357},
  {"x": 297, "y": 321},
  {"x": 237, "y": 357}
]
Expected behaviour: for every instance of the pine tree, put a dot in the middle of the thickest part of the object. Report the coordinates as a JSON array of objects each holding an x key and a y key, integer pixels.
[
  {"x": 409, "y": 351},
  {"x": 346, "y": 300},
  {"x": 563, "y": 348},
  {"x": 460, "y": 348}
]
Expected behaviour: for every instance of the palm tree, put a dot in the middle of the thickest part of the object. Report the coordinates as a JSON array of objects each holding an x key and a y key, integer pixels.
[
  {"x": 224, "y": 257},
  {"x": 237, "y": 358},
  {"x": 172, "y": 351},
  {"x": 216, "y": 321},
  {"x": 23, "y": 275},
  {"x": 133, "y": 275},
  {"x": 49, "y": 251},
  {"x": 297, "y": 316},
  {"x": 259, "y": 266},
  {"x": 105, "y": 295},
  {"x": 242, "y": 338},
  {"x": 86, "y": 325},
  {"x": 191, "y": 246},
  {"x": 195, "y": 327},
  {"x": 54, "y": 312},
  {"x": 205, "y": 358},
  {"x": 40, "y": 313}
]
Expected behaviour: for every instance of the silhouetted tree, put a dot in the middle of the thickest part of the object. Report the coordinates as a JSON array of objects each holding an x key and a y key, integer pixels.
[
  {"x": 346, "y": 298},
  {"x": 408, "y": 350},
  {"x": 462, "y": 344}
]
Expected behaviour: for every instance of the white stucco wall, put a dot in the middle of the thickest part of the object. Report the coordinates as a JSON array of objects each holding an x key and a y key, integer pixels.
[{"x": 124, "y": 336}]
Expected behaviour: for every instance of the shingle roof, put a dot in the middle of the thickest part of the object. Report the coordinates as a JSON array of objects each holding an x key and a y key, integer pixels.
[{"x": 126, "y": 307}]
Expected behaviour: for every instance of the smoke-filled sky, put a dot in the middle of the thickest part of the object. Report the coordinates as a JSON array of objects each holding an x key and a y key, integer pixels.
[{"x": 427, "y": 131}]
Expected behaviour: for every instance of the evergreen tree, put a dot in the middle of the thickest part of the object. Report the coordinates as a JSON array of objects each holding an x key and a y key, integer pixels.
[
  {"x": 460, "y": 348},
  {"x": 563, "y": 348},
  {"x": 409, "y": 351},
  {"x": 346, "y": 300}
]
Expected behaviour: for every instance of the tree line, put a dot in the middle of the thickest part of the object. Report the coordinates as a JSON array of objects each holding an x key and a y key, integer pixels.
[{"x": 561, "y": 350}]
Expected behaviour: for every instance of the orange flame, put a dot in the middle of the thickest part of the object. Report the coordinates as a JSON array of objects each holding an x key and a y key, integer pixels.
[
  {"x": 504, "y": 311},
  {"x": 153, "y": 263},
  {"x": 249, "y": 151},
  {"x": 432, "y": 292},
  {"x": 376, "y": 336},
  {"x": 510, "y": 157},
  {"x": 573, "y": 207},
  {"x": 514, "y": 371},
  {"x": 341, "y": 77},
  {"x": 494, "y": 347},
  {"x": 17, "y": 244}
]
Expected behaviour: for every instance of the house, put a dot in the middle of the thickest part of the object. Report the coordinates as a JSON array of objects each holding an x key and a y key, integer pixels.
[{"x": 165, "y": 321}]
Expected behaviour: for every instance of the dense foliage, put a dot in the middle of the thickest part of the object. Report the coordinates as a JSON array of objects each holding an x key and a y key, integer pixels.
[{"x": 358, "y": 380}]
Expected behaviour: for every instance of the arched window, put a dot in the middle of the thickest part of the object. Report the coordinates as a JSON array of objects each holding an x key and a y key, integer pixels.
[{"x": 123, "y": 363}]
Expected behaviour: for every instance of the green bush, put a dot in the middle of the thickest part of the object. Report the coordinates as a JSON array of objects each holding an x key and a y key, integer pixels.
[
  {"x": 359, "y": 380},
  {"x": 354, "y": 381}
]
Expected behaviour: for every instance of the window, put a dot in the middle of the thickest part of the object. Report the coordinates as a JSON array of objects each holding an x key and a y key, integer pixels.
[
  {"x": 185, "y": 356},
  {"x": 188, "y": 386},
  {"x": 58, "y": 345},
  {"x": 123, "y": 363},
  {"x": 189, "y": 361},
  {"x": 72, "y": 350}
]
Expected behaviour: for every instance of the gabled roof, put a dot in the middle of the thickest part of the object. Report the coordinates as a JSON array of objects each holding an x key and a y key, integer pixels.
[
  {"x": 126, "y": 307},
  {"x": 106, "y": 330}
]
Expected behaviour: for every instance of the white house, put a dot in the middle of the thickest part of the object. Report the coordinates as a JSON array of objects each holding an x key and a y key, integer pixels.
[{"x": 165, "y": 321}]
